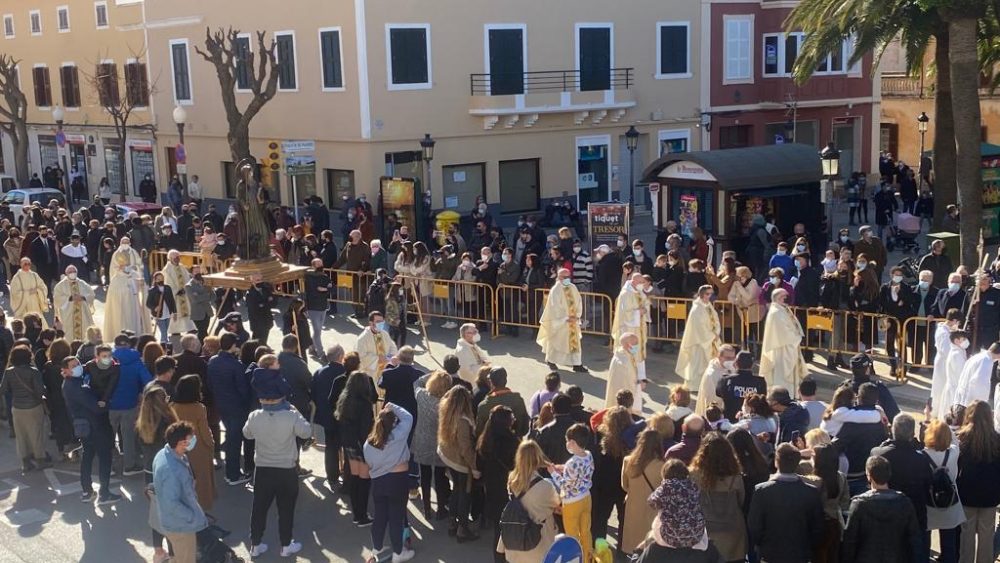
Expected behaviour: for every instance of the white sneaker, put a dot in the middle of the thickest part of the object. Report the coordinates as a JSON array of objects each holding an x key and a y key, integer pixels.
[
  {"x": 404, "y": 555},
  {"x": 258, "y": 550},
  {"x": 291, "y": 549}
]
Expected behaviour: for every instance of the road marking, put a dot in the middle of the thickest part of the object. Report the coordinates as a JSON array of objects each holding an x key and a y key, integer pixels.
[
  {"x": 63, "y": 489},
  {"x": 18, "y": 518}
]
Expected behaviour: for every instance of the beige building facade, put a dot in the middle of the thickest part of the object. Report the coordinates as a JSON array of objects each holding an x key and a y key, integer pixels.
[
  {"x": 527, "y": 102},
  {"x": 62, "y": 45}
]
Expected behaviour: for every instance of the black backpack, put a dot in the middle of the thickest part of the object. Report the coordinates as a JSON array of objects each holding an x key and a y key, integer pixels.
[
  {"x": 942, "y": 493},
  {"x": 517, "y": 529}
]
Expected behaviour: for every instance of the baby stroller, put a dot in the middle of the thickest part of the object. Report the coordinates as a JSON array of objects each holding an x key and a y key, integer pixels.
[{"x": 904, "y": 234}]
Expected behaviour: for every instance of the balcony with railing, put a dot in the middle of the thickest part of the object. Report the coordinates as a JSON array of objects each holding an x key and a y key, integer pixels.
[
  {"x": 523, "y": 97},
  {"x": 904, "y": 86}
]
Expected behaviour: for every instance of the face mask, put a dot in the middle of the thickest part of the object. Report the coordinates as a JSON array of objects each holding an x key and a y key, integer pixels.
[
  {"x": 672, "y": 263},
  {"x": 953, "y": 287},
  {"x": 159, "y": 283},
  {"x": 221, "y": 242},
  {"x": 567, "y": 282},
  {"x": 775, "y": 281},
  {"x": 104, "y": 362},
  {"x": 780, "y": 252},
  {"x": 800, "y": 247},
  {"x": 507, "y": 257},
  {"x": 165, "y": 231},
  {"x": 923, "y": 284},
  {"x": 531, "y": 223},
  {"x": 621, "y": 244},
  {"x": 467, "y": 263},
  {"x": 520, "y": 223},
  {"x": 862, "y": 266},
  {"x": 578, "y": 249},
  {"x": 482, "y": 209},
  {"x": 867, "y": 236},
  {"x": 729, "y": 364},
  {"x": 350, "y": 216},
  {"x": 897, "y": 279},
  {"x": 477, "y": 337},
  {"x": 844, "y": 238},
  {"x": 78, "y": 371},
  {"x": 800, "y": 265},
  {"x": 191, "y": 443},
  {"x": 71, "y": 276},
  {"x": 646, "y": 289},
  {"x": 829, "y": 264},
  {"x": 964, "y": 345},
  {"x": 637, "y": 251},
  {"x": 126, "y": 246},
  {"x": 633, "y": 349},
  {"x": 380, "y": 325}
]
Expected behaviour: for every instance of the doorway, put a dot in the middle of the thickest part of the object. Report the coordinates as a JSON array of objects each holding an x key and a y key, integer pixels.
[
  {"x": 844, "y": 139},
  {"x": 594, "y": 56},
  {"x": 505, "y": 58}
]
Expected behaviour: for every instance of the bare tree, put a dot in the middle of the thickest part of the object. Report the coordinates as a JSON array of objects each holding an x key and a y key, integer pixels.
[
  {"x": 223, "y": 51},
  {"x": 105, "y": 83},
  {"x": 14, "y": 110}
]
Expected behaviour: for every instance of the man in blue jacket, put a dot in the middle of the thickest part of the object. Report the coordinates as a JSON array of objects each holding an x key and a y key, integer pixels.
[
  {"x": 231, "y": 392},
  {"x": 124, "y": 406},
  {"x": 180, "y": 515},
  {"x": 90, "y": 424}
]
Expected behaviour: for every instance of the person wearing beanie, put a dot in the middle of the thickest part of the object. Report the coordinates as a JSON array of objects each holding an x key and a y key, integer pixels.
[
  {"x": 267, "y": 381},
  {"x": 863, "y": 371}
]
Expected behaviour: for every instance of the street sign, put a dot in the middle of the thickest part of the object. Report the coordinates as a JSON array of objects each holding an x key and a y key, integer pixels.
[
  {"x": 300, "y": 164},
  {"x": 298, "y": 146},
  {"x": 182, "y": 168},
  {"x": 60, "y": 139},
  {"x": 654, "y": 188},
  {"x": 779, "y": 139},
  {"x": 566, "y": 549},
  {"x": 180, "y": 155}
]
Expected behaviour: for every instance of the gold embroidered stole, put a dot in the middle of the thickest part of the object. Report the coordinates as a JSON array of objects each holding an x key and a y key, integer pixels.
[
  {"x": 574, "y": 331},
  {"x": 74, "y": 292},
  {"x": 183, "y": 307}
]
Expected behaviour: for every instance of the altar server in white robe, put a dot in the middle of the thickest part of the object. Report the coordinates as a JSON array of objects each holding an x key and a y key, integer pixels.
[
  {"x": 626, "y": 372},
  {"x": 939, "y": 377},
  {"x": 954, "y": 364},
  {"x": 975, "y": 381}
]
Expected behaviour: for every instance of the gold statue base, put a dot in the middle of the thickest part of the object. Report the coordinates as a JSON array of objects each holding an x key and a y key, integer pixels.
[{"x": 240, "y": 274}]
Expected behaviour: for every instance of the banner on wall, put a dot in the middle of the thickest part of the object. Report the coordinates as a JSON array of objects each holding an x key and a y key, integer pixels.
[{"x": 606, "y": 222}]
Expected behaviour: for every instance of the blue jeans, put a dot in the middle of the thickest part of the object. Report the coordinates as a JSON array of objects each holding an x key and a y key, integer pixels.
[
  {"x": 98, "y": 445},
  {"x": 161, "y": 325},
  {"x": 390, "y": 494},
  {"x": 233, "y": 444}
]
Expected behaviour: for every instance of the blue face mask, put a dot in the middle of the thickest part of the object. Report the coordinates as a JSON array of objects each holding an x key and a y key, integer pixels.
[
  {"x": 191, "y": 443},
  {"x": 862, "y": 266},
  {"x": 380, "y": 325},
  {"x": 924, "y": 284},
  {"x": 567, "y": 282},
  {"x": 634, "y": 349},
  {"x": 78, "y": 371}
]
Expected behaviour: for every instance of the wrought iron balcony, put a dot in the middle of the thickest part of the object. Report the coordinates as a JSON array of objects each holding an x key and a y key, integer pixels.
[{"x": 505, "y": 84}]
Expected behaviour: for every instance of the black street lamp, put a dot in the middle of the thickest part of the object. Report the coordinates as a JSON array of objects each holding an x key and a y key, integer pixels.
[
  {"x": 631, "y": 142},
  {"x": 830, "y": 158},
  {"x": 427, "y": 146},
  {"x": 922, "y": 121}
]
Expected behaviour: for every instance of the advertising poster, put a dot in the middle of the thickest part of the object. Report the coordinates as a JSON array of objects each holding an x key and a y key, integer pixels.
[
  {"x": 688, "y": 211},
  {"x": 399, "y": 197},
  {"x": 606, "y": 221}
]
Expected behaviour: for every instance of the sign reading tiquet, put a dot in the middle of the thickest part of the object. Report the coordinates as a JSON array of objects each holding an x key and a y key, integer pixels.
[
  {"x": 687, "y": 170},
  {"x": 606, "y": 222}
]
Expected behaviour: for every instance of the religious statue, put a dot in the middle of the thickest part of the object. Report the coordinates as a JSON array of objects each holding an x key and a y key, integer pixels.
[{"x": 251, "y": 198}]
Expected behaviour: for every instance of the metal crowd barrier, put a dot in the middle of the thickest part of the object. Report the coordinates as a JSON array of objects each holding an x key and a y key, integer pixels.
[
  {"x": 598, "y": 311},
  {"x": 349, "y": 287},
  {"x": 456, "y": 300},
  {"x": 919, "y": 348},
  {"x": 517, "y": 306},
  {"x": 668, "y": 316}
]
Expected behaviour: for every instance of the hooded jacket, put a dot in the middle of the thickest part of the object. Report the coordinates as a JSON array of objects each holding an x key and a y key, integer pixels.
[
  {"x": 881, "y": 528},
  {"x": 133, "y": 377},
  {"x": 794, "y": 418}
]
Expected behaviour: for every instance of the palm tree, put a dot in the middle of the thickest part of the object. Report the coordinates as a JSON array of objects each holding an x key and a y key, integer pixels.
[{"x": 872, "y": 25}]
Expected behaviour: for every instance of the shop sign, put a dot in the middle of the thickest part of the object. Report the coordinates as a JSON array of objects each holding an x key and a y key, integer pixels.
[
  {"x": 687, "y": 170},
  {"x": 606, "y": 222}
]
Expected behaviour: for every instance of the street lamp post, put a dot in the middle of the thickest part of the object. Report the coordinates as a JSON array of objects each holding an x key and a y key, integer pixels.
[
  {"x": 59, "y": 116},
  {"x": 427, "y": 147},
  {"x": 830, "y": 158},
  {"x": 180, "y": 118},
  {"x": 922, "y": 121},
  {"x": 631, "y": 142}
]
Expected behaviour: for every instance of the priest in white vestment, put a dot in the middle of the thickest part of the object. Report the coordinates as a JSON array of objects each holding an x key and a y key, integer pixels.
[
  {"x": 176, "y": 276},
  {"x": 632, "y": 313},
  {"x": 28, "y": 293},
  {"x": 702, "y": 339},
  {"x": 626, "y": 372},
  {"x": 471, "y": 358},
  {"x": 954, "y": 364},
  {"x": 974, "y": 383},
  {"x": 375, "y": 347},
  {"x": 559, "y": 332},
  {"x": 722, "y": 366},
  {"x": 124, "y": 307},
  {"x": 73, "y": 299},
  {"x": 939, "y": 377},
  {"x": 781, "y": 362}
]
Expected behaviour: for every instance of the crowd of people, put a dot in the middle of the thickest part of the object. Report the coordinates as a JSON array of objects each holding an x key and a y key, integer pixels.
[{"x": 744, "y": 464}]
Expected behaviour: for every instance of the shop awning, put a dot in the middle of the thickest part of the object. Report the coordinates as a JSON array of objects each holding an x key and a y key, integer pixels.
[{"x": 767, "y": 166}]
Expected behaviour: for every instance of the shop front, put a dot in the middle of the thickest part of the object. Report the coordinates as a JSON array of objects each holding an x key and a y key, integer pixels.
[{"x": 720, "y": 191}]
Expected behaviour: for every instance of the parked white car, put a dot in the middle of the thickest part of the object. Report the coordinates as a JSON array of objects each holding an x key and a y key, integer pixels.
[{"x": 21, "y": 197}]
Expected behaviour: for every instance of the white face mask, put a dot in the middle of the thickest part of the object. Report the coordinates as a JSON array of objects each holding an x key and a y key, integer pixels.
[
  {"x": 577, "y": 249},
  {"x": 71, "y": 276},
  {"x": 467, "y": 263},
  {"x": 780, "y": 252},
  {"x": 953, "y": 287},
  {"x": 844, "y": 238},
  {"x": 800, "y": 247},
  {"x": 775, "y": 281},
  {"x": 476, "y": 337},
  {"x": 897, "y": 279},
  {"x": 729, "y": 364},
  {"x": 964, "y": 345},
  {"x": 923, "y": 284},
  {"x": 862, "y": 266}
]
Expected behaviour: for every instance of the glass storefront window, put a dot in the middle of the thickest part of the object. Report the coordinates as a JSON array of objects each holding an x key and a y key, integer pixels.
[
  {"x": 111, "y": 165},
  {"x": 592, "y": 166},
  {"x": 142, "y": 164}
]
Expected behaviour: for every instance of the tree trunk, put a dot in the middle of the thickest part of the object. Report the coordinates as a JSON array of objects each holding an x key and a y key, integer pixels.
[
  {"x": 122, "y": 137},
  {"x": 20, "y": 140},
  {"x": 963, "y": 55},
  {"x": 944, "y": 134},
  {"x": 239, "y": 142}
]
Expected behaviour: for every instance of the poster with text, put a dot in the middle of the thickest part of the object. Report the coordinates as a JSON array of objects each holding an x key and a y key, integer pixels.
[
  {"x": 399, "y": 197},
  {"x": 606, "y": 221},
  {"x": 688, "y": 214}
]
